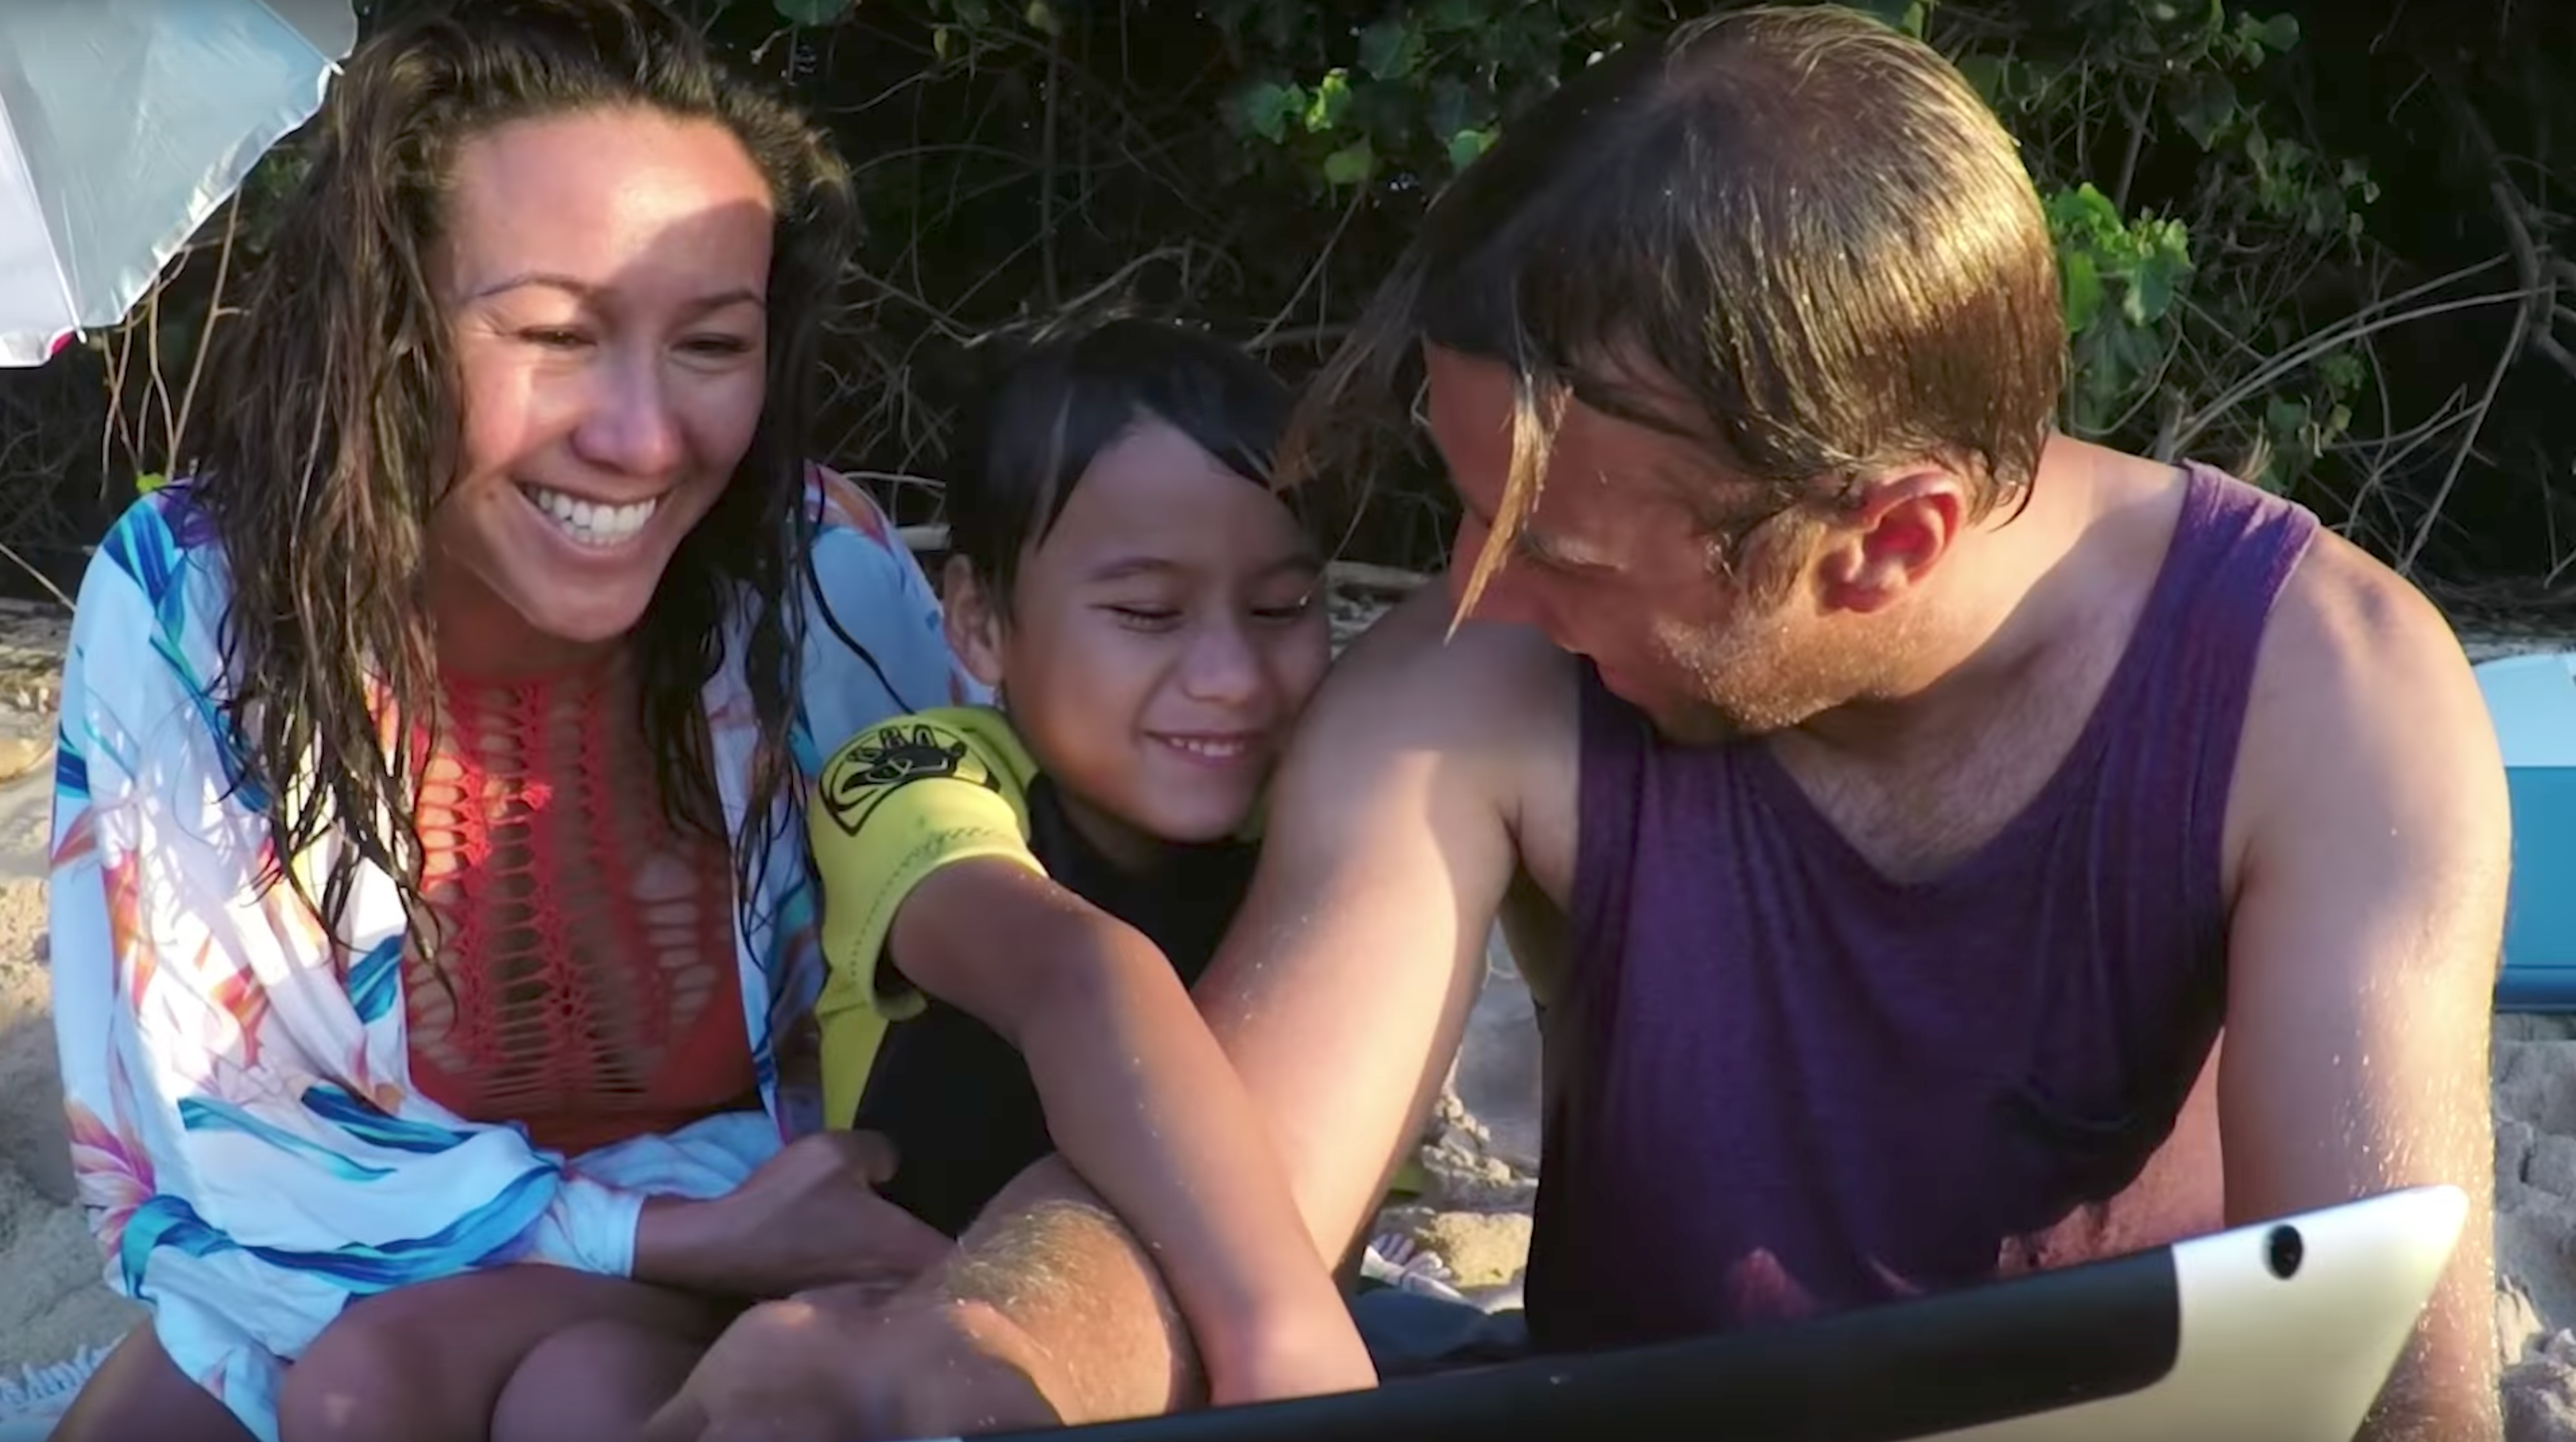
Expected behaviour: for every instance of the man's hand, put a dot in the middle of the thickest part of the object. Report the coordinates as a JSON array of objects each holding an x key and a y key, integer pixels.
[
  {"x": 809, "y": 1217},
  {"x": 2368, "y": 915},
  {"x": 846, "y": 1364}
]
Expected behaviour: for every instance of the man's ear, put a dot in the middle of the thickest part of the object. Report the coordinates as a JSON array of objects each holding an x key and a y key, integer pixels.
[
  {"x": 972, "y": 616},
  {"x": 1889, "y": 537}
]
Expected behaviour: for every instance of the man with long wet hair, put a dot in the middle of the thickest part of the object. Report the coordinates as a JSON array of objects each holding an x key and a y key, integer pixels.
[{"x": 1943, "y": 848}]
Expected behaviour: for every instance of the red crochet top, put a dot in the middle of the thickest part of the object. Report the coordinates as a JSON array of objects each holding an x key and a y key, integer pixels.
[{"x": 587, "y": 986}]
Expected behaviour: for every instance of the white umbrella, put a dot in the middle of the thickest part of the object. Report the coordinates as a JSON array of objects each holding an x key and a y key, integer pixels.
[{"x": 123, "y": 125}]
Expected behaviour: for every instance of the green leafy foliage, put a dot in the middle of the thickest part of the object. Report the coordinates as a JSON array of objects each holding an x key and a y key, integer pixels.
[
  {"x": 1012, "y": 153},
  {"x": 2154, "y": 332},
  {"x": 2120, "y": 279},
  {"x": 812, "y": 12}
]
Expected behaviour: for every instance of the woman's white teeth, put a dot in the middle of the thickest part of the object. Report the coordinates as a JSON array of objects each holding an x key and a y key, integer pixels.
[{"x": 590, "y": 522}]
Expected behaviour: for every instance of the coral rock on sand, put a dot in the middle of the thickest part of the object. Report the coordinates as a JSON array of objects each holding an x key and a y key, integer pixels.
[
  {"x": 2540, "y": 1396},
  {"x": 1483, "y": 1249}
]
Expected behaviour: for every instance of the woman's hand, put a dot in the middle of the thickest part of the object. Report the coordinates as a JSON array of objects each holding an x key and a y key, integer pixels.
[{"x": 809, "y": 1217}]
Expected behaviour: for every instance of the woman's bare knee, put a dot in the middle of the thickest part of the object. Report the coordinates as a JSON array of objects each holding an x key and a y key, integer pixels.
[
  {"x": 429, "y": 1362},
  {"x": 598, "y": 1379},
  {"x": 371, "y": 1375},
  {"x": 139, "y": 1392}
]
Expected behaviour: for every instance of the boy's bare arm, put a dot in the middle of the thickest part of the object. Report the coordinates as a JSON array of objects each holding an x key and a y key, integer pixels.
[
  {"x": 1143, "y": 1104},
  {"x": 1339, "y": 995}
]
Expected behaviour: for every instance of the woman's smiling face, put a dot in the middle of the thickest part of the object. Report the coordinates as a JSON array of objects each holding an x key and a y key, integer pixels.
[{"x": 604, "y": 275}]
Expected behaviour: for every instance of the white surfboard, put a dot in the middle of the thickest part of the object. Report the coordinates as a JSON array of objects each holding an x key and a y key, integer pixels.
[{"x": 2284, "y": 1331}]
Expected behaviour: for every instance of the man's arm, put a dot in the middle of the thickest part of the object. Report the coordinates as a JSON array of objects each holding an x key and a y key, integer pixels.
[
  {"x": 1143, "y": 1103},
  {"x": 1340, "y": 993},
  {"x": 2369, "y": 910}
]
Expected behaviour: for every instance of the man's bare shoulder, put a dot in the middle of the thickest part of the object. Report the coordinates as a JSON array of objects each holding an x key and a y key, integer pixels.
[
  {"x": 1489, "y": 689},
  {"x": 2348, "y": 636},
  {"x": 1476, "y": 733},
  {"x": 2362, "y": 686}
]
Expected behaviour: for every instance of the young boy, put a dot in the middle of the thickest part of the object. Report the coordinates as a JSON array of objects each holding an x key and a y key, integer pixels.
[{"x": 1017, "y": 899}]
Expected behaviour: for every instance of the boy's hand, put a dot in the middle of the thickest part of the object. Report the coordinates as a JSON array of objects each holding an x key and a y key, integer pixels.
[{"x": 809, "y": 1217}]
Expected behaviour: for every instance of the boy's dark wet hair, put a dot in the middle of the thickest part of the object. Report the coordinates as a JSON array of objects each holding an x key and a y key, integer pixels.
[{"x": 1072, "y": 396}]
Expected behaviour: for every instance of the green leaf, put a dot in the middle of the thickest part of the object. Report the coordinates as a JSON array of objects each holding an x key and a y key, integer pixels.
[
  {"x": 148, "y": 482},
  {"x": 1455, "y": 14},
  {"x": 1908, "y": 16},
  {"x": 2083, "y": 214},
  {"x": 2281, "y": 32},
  {"x": 1449, "y": 111},
  {"x": 2082, "y": 283},
  {"x": 2285, "y": 418},
  {"x": 1266, "y": 106},
  {"x": 1330, "y": 102},
  {"x": 2151, "y": 289},
  {"x": 1352, "y": 164},
  {"x": 813, "y": 12},
  {"x": 943, "y": 41},
  {"x": 1467, "y": 145},
  {"x": 2203, "y": 103},
  {"x": 1987, "y": 74},
  {"x": 1043, "y": 19},
  {"x": 971, "y": 12},
  {"x": 1391, "y": 49}
]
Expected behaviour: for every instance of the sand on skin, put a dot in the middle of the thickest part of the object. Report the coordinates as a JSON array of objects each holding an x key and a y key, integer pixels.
[{"x": 1480, "y": 1145}]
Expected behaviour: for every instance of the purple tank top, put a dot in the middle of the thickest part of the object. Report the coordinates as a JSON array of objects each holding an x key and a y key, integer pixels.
[{"x": 1782, "y": 1085}]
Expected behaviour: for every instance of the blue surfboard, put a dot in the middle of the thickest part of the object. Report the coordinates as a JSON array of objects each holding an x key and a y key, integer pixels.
[{"x": 2532, "y": 701}]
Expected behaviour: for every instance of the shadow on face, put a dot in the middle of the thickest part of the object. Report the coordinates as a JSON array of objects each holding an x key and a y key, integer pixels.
[
  {"x": 1757, "y": 620},
  {"x": 604, "y": 275}
]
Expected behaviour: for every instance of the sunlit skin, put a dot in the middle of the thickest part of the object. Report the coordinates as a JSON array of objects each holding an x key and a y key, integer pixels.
[
  {"x": 1159, "y": 644},
  {"x": 1921, "y": 676},
  {"x": 604, "y": 277}
]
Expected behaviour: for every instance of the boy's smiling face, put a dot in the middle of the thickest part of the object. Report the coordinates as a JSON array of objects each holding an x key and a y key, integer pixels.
[{"x": 1158, "y": 645}]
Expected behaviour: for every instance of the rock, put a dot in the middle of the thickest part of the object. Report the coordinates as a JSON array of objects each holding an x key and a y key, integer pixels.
[
  {"x": 1467, "y": 1180},
  {"x": 1496, "y": 1079},
  {"x": 23, "y": 756},
  {"x": 2519, "y": 1329},
  {"x": 1483, "y": 1249},
  {"x": 2531, "y": 1247},
  {"x": 2551, "y": 1166},
  {"x": 2514, "y": 1141},
  {"x": 2540, "y": 1398},
  {"x": 2531, "y": 1083}
]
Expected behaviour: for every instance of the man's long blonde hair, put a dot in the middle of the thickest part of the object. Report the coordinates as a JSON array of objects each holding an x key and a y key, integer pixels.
[{"x": 1795, "y": 237}]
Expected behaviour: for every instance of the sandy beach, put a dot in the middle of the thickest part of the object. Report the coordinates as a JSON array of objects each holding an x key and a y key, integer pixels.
[{"x": 1480, "y": 1147}]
